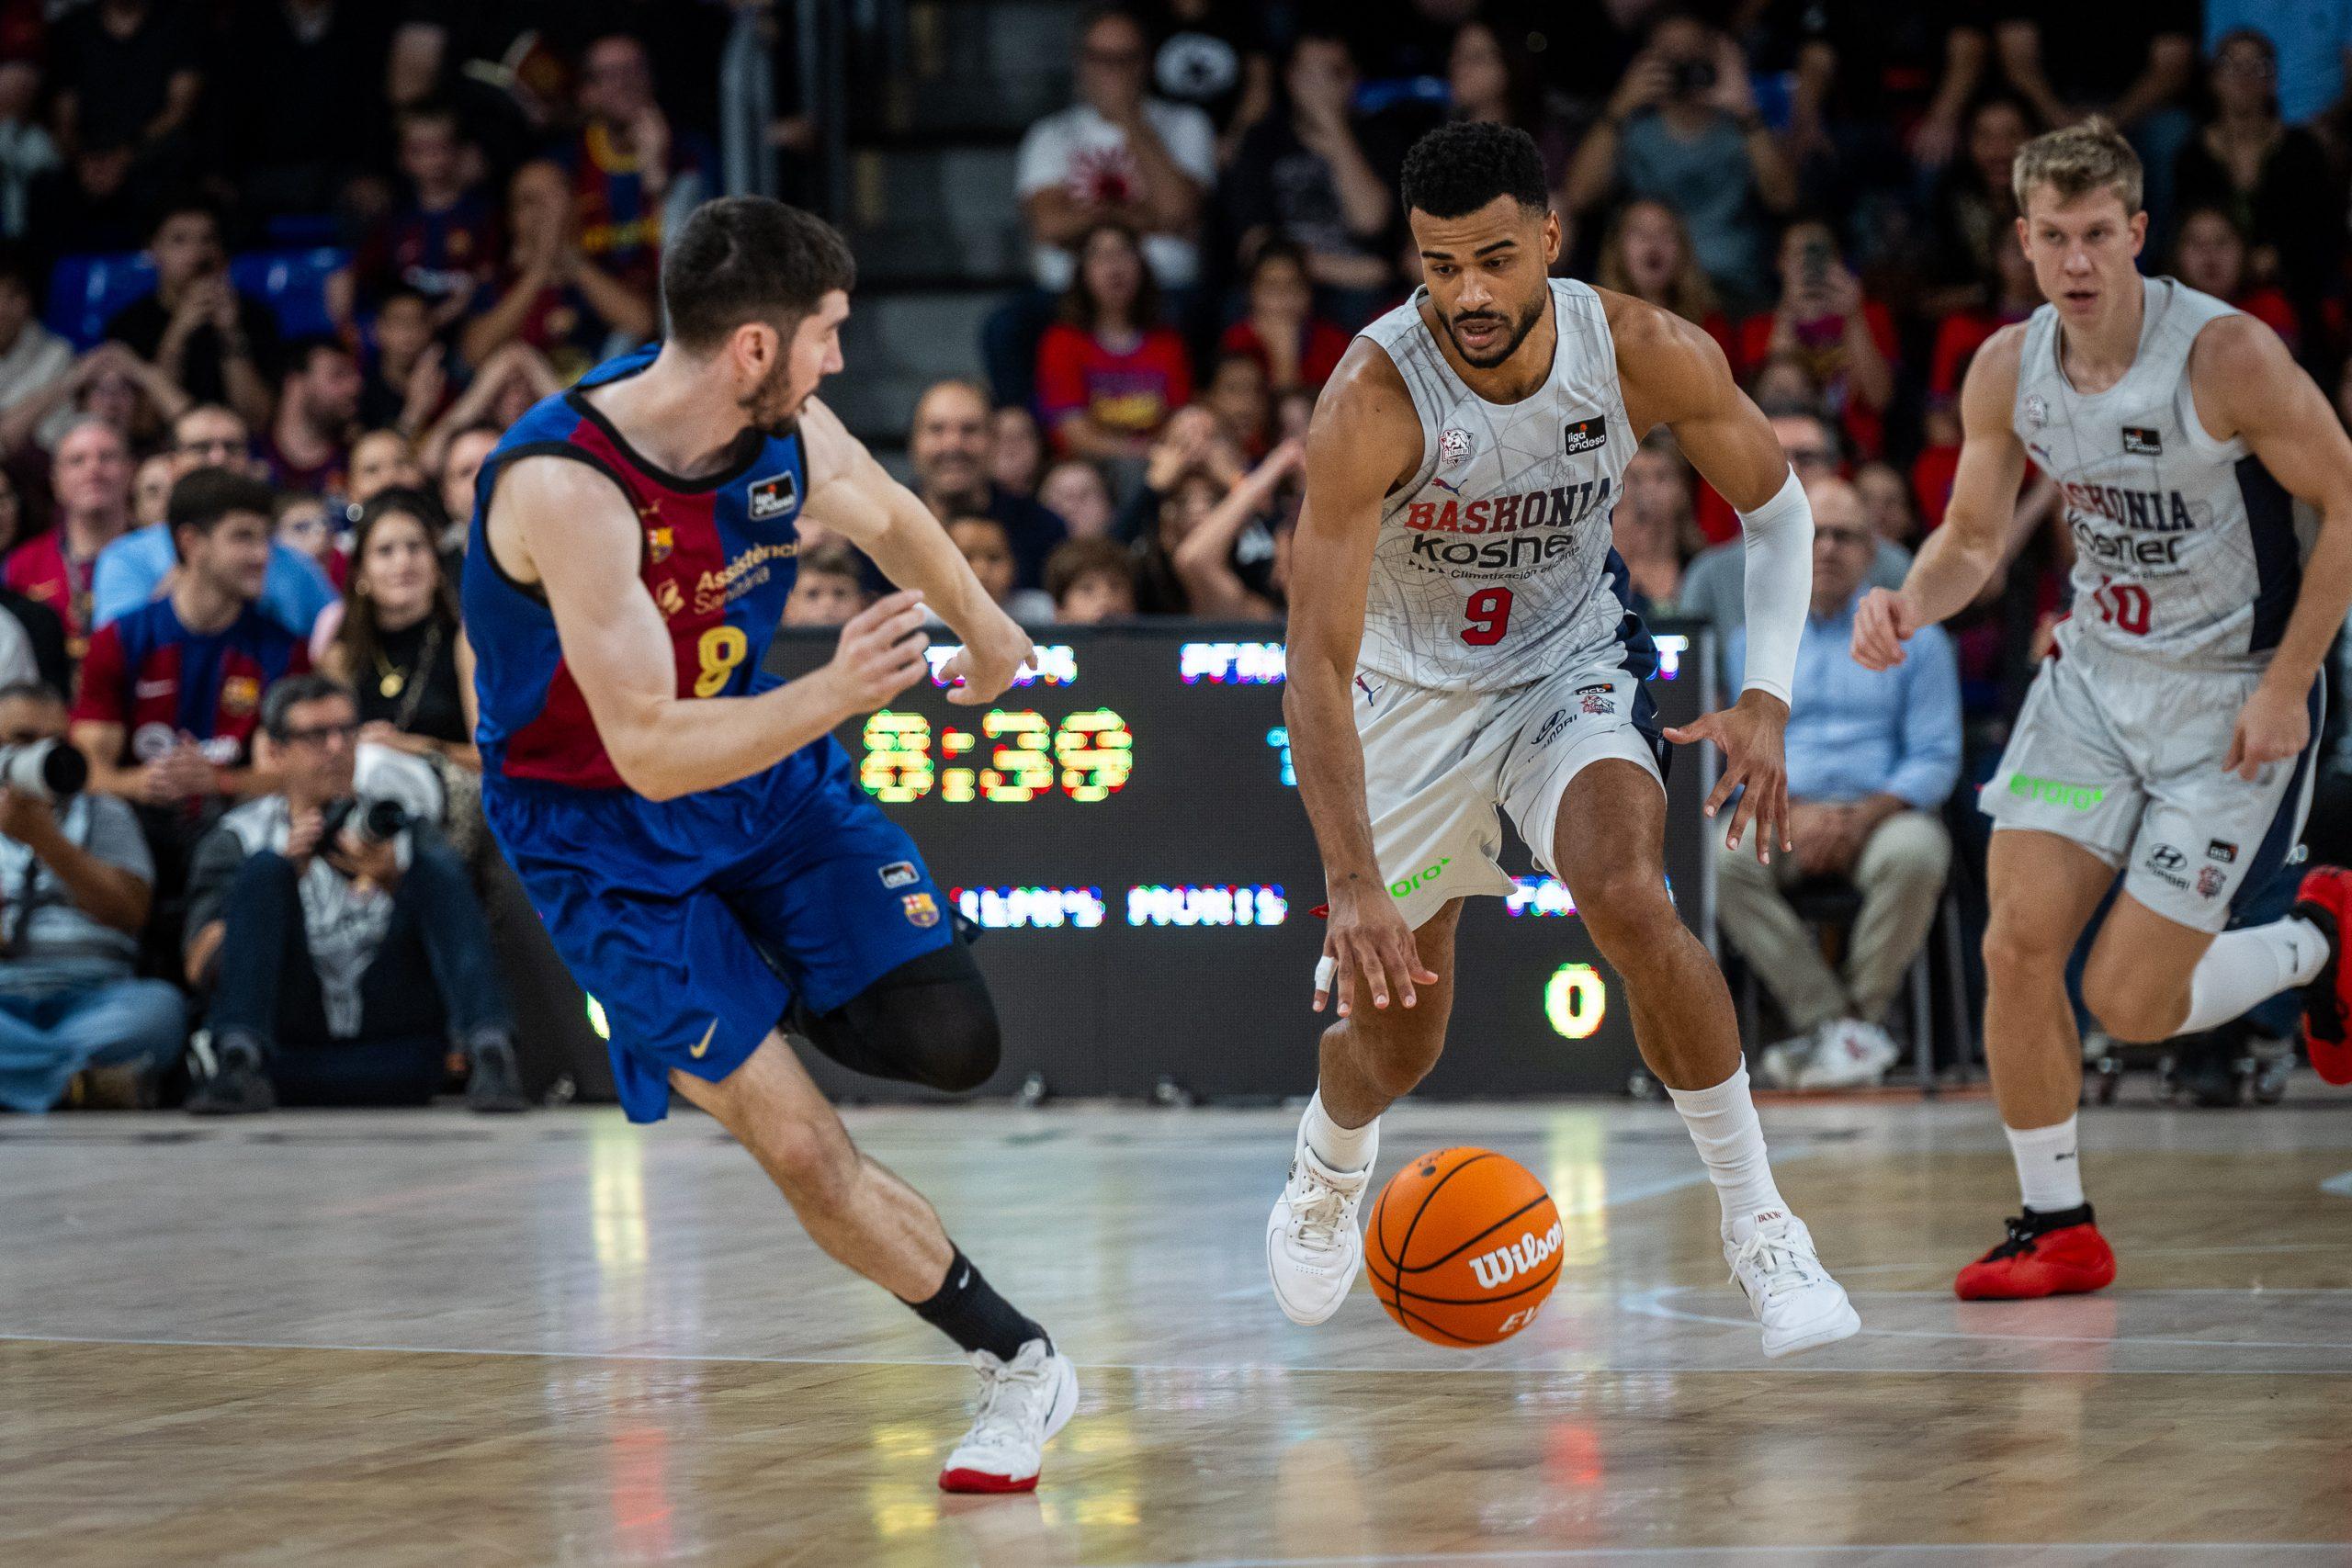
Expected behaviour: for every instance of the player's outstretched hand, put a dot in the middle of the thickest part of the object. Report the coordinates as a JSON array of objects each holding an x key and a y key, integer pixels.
[
  {"x": 881, "y": 652},
  {"x": 1883, "y": 622},
  {"x": 1367, "y": 939},
  {"x": 2273, "y": 726},
  {"x": 1750, "y": 732}
]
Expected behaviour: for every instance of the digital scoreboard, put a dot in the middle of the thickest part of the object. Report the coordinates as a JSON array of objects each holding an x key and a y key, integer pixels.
[{"x": 1123, "y": 824}]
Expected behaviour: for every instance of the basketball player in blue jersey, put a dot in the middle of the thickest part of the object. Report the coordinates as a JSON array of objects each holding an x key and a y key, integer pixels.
[
  {"x": 2170, "y": 740},
  {"x": 693, "y": 836}
]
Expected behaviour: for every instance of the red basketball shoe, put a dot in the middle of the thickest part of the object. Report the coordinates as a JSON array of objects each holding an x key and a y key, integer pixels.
[
  {"x": 2325, "y": 900},
  {"x": 2046, "y": 1254}
]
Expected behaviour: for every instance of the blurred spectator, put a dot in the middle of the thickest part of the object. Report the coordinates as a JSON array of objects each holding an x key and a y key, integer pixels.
[
  {"x": 1489, "y": 83},
  {"x": 302, "y": 98},
  {"x": 2309, "y": 57},
  {"x": 1116, "y": 156},
  {"x": 550, "y": 294},
  {"x": 1873, "y": 756},
  {"x": 1016, "y": 451},
  {"x": 1886, "y": 500},
  {"x": 988, "y": 551},
  {"x": 2126, "y": 61},
  {"x": 1091, "y": 580},
  {"x": 1237, "y": 395},
  {"x": 502, "y": 391},
  {"x": 29, "y": 160},
  {"x": 1211, "y": 55},
  {"x": 303, "y": 524},
  {"x": 309, "y": 447},
  {"x": 1280, "y": 330},
  {"x": 407, "y": 380},
  {"x": 1293, "y": 411},
  {"x": 1211, "y": 549},
  {"x": 151, "y": 490},
  {"x": 1683, "y": 129},
  {"x": 1652, "y": 527},
  {"x": 1714, "y": 588},
  {"x": 632, "y": 172},
  {"x": 109, "y": 383},
  {"x": 80, "y": 882},
  {"x": 43, "y": 628},
  {"x": 32, "y": 358},
  {"x": 1844, "y": 341},
  {"x": 949, "y": 449},
  {"x": 90, "y": 483},
  {"x": 341, "y": 970},
  {"x": 216, "y": 345},
  {"x": 441, "y": 240},
  {"x": 1646, "y": 254},
  {"x": 2272, "y": 180},
  {"x": 828, "y": 590},
  {"x": 170, "y": 693},
  {"x": 399, "y": 645},
  {"x": 1304, "y": 174},
  {"x": 461, "y": 460},
  {"x": 141, "y": 565},
  {"x": 2014, "y": 295},
  {"x": 1972, "y": 211},
  {"x": 1076, "y": 492},
  {"x": 1109, "y": 373},
  {"x": 381, "y": 461},
  {"x": 2209, "y": 254},
  {"x": 126, "y": 77}
]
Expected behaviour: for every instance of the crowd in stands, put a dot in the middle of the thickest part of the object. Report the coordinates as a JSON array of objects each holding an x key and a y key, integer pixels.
[{"x": 233, "y": 515}]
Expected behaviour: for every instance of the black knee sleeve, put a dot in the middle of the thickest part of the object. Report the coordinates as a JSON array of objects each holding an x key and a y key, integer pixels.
[{"x": 928, "y": 1022}]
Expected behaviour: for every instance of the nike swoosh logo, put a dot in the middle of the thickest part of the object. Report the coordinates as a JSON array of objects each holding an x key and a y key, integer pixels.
[
  {"x": 965, "y": 1280},
  {"x": 702, "y": 1046}
]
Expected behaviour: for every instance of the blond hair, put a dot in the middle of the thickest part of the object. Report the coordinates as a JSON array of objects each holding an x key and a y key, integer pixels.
[{"x": 2077, "y": 160}]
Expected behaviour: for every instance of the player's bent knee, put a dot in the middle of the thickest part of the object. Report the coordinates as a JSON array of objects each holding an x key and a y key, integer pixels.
[
  {"x": 929, "y": 1022},
  {"x": 815, "y": 1164},
  {"x": 2137, "y": 1008},
  {"x": 1630, "y": 920},
  {"x": 2014, "y": 948}
]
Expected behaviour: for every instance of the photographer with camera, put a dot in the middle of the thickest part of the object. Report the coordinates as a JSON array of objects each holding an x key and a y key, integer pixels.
[
  {"x": 339, "y": 938},
  {"x": 1683, "y": 129},
  {"x": 76, "y": 881}
]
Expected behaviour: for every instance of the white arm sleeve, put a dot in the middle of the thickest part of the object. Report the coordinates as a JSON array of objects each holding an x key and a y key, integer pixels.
[{"x": 1778, "y": 554}]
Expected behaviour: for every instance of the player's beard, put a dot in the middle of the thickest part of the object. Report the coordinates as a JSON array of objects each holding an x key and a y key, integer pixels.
[
  {"x": 771, "y": 408},
  {"x": 1519, "y": 330}
]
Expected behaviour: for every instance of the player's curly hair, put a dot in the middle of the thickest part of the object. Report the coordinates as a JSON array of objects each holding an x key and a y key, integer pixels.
[
  {"x": 1460, "y": 168},
  {"x": 748, "y": 258}
]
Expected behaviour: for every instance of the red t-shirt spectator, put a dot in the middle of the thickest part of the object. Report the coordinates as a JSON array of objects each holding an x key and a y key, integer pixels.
[
  {"x": 38, "y": 570},
  {"x": 1957, "y": 341},
  {"x": 149, "y": 673},
  {"x": 1132, "y": 393},
  {"x": 1822, "y": 344},
  {"x": 1320, "y": 350}
]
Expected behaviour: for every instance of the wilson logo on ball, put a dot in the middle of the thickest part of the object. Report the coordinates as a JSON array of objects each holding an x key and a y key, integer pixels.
[{"x": 1521, "y": 1256}]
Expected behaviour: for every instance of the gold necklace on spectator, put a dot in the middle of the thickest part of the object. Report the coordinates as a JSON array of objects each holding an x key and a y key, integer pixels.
[{"x": 388, "y": 680}]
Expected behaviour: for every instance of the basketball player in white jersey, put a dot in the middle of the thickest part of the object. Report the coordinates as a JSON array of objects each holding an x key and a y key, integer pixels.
[
  {"x": 1460, "y": 640},
  {"x": 2171, "y": 736}
]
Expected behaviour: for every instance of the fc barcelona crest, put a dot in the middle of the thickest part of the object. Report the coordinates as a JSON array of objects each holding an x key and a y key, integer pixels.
[
  {"x": 658, "y": 543},
  {"x": 921, "y": 908}
]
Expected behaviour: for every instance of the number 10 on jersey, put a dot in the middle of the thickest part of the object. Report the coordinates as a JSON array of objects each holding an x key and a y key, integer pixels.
[{"x": 1487, "y": 616}]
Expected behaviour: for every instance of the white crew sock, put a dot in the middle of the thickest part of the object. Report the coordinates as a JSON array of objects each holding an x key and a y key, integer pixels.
[
  {"x": 2246, "y": 967},
  {"x": 2050, "y": 1171},
  {"x": 1344, "y": 1149},
  {"x": 1723, "y": 1122}
]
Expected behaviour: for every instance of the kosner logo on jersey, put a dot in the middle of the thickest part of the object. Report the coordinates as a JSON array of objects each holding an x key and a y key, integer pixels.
[
  {"x": 1532, "y": 515},
  {"x": 1521, "y": 1256}
]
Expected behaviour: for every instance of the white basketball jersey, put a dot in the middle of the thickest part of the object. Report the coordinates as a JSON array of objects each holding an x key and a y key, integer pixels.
[
  {"x": 2186, "y": 549},
  {"x": 1493, "y": 565}
]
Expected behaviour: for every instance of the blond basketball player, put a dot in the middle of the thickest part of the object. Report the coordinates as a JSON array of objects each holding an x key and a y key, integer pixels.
[
  {"x": 1460, "y": 640},
  {"x": 2170, "y": 737}
]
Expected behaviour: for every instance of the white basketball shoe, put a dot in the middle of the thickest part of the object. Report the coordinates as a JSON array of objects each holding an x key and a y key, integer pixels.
[
  {"x": 1801, "y": 1307},
  {"x": 1313, "y": 1244},
  {"x": 1024, "y": 1403}
]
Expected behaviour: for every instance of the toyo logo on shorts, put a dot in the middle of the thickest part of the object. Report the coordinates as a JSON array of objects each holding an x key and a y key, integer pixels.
[
  {"x": 1406, "y": 886},
  {"x": 2055, "y": 791}
]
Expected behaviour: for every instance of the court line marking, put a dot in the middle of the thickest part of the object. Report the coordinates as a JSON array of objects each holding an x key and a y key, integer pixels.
[
  {"x": 1606, "y": 1553},
  {"x": 1652, "y": 1303},
  {"x": 2341, "y": 1186},
  {"x": 1204, "y": 1368}
]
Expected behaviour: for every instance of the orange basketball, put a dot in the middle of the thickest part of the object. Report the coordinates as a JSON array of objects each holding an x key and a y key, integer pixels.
[{"x": 1463, "y": 1246}]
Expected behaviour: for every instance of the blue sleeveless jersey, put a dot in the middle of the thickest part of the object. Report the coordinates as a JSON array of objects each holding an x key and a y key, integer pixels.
[{"x": 718, "y": 556}]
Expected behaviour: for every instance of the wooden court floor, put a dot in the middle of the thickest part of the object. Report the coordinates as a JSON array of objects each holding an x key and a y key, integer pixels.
[{"x": 379, "y": 1341}]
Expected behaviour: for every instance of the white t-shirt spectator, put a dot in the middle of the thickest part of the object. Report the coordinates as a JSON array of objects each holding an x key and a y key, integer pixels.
[
  {"x": 1087, "y": 157},
  {"x": 36, "y": 358}
]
